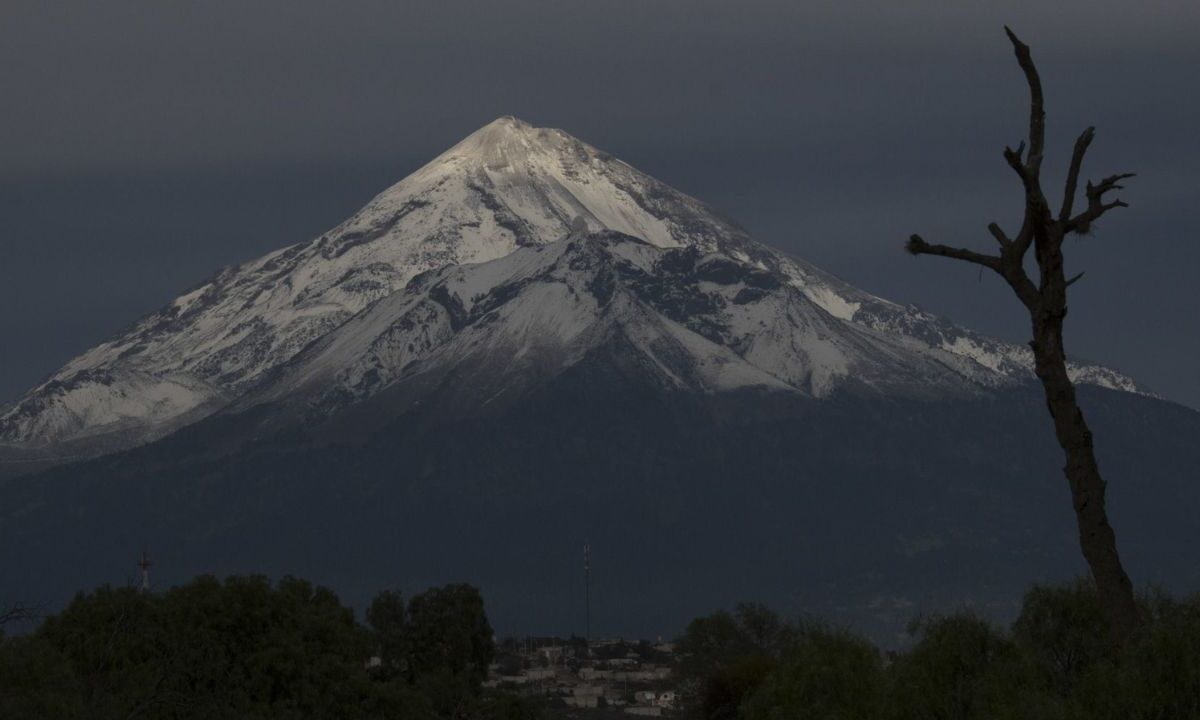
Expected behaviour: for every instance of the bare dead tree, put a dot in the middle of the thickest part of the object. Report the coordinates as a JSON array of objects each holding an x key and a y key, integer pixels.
[
  {"x": 1046, "y": 301},
  {"x": 17, "y": 613}
]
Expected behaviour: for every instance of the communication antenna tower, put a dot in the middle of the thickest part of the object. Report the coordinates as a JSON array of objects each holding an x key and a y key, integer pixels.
[
  {"x": 144, "y": 564},
  {"x": 587, "y": 593}
]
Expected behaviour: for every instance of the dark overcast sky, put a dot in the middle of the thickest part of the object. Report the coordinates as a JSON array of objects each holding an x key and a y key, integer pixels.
[{"x": 145, "y": 144}]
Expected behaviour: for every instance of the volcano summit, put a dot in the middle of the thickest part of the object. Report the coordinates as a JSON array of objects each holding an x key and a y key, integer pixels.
[
  {"x": 527, "y": 345},
  {"x": 507, "y": 187}
]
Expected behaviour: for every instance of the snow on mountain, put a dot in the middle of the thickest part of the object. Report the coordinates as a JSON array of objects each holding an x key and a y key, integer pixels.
[
  {"x": 115, "y": 398},
  {"x": 690, "y": 320},
  {"x": 507, "y": 187}
]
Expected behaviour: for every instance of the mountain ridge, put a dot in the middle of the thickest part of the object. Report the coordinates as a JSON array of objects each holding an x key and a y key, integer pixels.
[
  {"x": 719, "y": 420},
  {"x": 505, "y": 187}
]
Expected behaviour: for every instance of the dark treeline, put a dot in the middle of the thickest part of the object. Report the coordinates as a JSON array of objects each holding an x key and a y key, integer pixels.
[
  {"x": 1056, "y": 662},
  {"x": 247, "y": 648}
]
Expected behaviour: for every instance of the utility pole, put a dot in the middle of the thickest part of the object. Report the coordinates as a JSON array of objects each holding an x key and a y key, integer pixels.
[{"x": 144, "y": 564}]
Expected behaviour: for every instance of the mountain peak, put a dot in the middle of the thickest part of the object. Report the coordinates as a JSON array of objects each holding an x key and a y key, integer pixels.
[
  {"x": 508, "y": 121},
  {"x": 504, "y": 128},
  {"x": 507, "y": 186},
  {"x": 505, "y": 142}
]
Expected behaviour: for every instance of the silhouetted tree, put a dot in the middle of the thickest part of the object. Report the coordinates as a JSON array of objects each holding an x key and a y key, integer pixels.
[
  {"x": 825, "y": 673},
  {"x": 723, "y": 693},
  {"x": 448, "y": 631},
  {"x": 1046, "y": 301},
  {"x": 211, "y": 649},
  {"x": 961, "y": 667},
  {"x": 725, "y": 656},
  {"x": 449, "y": 646},
  {"x": 388, "y": 617},
  {"x": 1064, "y": 631},
  {"x": 37, "y": 681},
  {"x": 17, "y": 613}
]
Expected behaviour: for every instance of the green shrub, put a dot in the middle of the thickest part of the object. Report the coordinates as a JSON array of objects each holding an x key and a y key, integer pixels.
[
  {"x": 725, "y": 690},
  {"x": 963, "y": 668},
  {"x": 242, "y": 648},
  {"x": 37, "y": 681},
  {"x": 1156, "y": 676},
  {"x": 1063, "y": 632},
  {"x": 725, "y": 656},
  {"x": 506, "y": 706},
  {"x": 827, "y": 674},
  {"x": 115, "y": 642}
]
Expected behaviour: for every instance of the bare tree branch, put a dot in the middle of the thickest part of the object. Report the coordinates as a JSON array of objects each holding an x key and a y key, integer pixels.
[
  {"x": 1024, "y": 238},
  {"x": 1108, "y": 183},
  {"x": 997, "y": 233},
  {"x": 917, "y": 246},
  {"x": 1028, "y": 165},
  {"x": 1074, "y": 280},
  {"x": 1037, "y": 112},
  {"x": 1081, "y": 146},
  {"x": 1017, "y": 162},
  {"x": 18, "y": 613},
  {"x": 1082, "y": 222}
]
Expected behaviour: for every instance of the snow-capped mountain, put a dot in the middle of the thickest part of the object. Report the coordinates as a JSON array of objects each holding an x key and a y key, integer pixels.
[
  {"x": 527, "y": 344},
  {"x": 542, "y": 248},
  {"x": 682, "y": 318}
]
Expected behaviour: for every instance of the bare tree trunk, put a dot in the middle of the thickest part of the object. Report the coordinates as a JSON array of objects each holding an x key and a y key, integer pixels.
[
  {"x": 1096, "y": 536},
  {"x": 1046, "y": 302}
]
